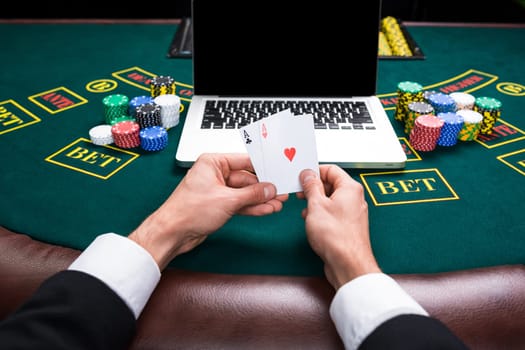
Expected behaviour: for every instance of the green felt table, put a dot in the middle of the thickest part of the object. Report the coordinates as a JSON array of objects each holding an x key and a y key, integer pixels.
[{"x": 452, "y": 208}]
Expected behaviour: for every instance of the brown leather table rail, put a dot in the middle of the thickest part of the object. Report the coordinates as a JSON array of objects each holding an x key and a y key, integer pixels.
[{"x": 197, "y": 310}]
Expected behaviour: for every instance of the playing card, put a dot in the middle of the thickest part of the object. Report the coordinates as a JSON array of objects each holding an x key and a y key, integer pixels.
[
  {"x": 251, "y": 138},
  {"x": 263, "y": 132},
  {"x": 288, "y": 147}
]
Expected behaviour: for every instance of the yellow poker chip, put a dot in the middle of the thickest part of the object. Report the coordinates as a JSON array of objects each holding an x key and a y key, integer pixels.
[{"x": 395, "y": 37}]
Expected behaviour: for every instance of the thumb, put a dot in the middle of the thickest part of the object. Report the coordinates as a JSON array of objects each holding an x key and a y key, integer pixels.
[
  {"x": 257, "y": 193},
  {"x": 312, "y": 185}
]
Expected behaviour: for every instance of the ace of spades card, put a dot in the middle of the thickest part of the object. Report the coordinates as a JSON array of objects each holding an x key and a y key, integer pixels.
[{"x": 287, "y": 146}]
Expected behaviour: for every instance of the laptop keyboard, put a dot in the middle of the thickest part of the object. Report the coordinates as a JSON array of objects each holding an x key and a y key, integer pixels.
[{"x": 234, "y": 114}]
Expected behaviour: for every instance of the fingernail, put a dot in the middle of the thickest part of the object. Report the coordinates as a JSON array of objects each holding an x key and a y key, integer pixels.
[
  {"x": 269, "y": 192},
  {"x": 308, "y": 175}
]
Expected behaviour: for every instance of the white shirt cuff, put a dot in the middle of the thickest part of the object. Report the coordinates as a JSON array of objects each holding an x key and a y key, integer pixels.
[
  {"x": 367, "y": 301},
  {"x": 123, "y": 265}
]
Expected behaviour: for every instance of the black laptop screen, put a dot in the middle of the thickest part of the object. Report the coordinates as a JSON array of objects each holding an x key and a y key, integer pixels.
[{"x": 284, "y": 48}]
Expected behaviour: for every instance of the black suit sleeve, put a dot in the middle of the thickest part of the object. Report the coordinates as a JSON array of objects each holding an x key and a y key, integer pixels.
[
  {"x": 411, "y": 332},
  {"x": 70, "y": 310}
]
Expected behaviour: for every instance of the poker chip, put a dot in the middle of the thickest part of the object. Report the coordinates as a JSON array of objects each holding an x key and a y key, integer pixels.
[
  {"x": 432, "y": 118},
  {"x": 384, "y": 47},
  {"x": 425, "y": 133},
  {"x": 427, "y": 94},
  {"x": 115, "y": 106},
  {"x": 463, "y": 100},
  {"x": 143, "y": 120},
  {"x": 126, "y": 134},
  {"x": 148, "y": 114},
  {"x": 101, "y": 135},
  {"x": 395, "y": 37},
  {"x": 415, "y": 109},
  {"x": 154, "y": 138},
  {"x": 407, "y": 92},
  {"x": 137, "y": 101},
  {"x": 471, "y": 124},
  {"x": 490, "y": 109},
  {"x": 442, "y": 103},
  {"x": 122, "y": 118},
  {"x": 452, "y": 125},
  {"x": 169, "y": 109},
  {"x": 163, "y": 84}
]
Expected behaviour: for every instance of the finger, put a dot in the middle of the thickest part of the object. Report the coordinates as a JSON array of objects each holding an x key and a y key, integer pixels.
[
  {"x": 270, "y": 207},
  {"x": 239, "y": 161},
  {"x": 311, "y": 183},
  {"x": 333, "y": 175},
  {"x": 251, "y": 195},
  {"x": 238, "y": 179},
  {"x": 282, "y": 197}
]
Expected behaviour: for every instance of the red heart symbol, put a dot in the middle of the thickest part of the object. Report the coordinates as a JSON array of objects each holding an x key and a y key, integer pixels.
[{"x": 289, "y": 153}]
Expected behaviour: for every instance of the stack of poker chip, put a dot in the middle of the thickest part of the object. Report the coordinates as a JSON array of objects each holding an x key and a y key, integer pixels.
[
  {"x": 407, "y": 92},
  {"x": 137, "y": 101},
  {"x": 153, "y": 138},
  {"x": 162, "y": 84},
  {"x": 471, "y": 124},
  {"x": 490, "y": 109},
  {"x": 115, "y": 106},
  {"x": 169, "y": 109},
  {"x": 126, "y": 134},
  {"x": 425, "y": 133},
  {"x": 463, "y": 100},
  {"x": 452, "y": 125},
  {"x": 148, "y": 114},
  {"x": 442, "y": 103},
  {"x": 396, "y": 38},
  {"x": 384, "y": 47},
  {"x": 101, "y": 135},
  {"x": 415, "y": 109}
]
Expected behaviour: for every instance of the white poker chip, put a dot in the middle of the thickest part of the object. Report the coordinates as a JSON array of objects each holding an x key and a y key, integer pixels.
[
  {"x": 168, "y": 100},
  {"x": 101, "y": 134},
  {"x": 463, "y": 100},
  {"x": 169, "y": 109},
  {"x": 170, "y": 122},
  {"x": 470, "y": 116}
]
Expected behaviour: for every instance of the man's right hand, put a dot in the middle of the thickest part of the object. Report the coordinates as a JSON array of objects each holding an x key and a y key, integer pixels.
[{"x": 336, "y": 219}]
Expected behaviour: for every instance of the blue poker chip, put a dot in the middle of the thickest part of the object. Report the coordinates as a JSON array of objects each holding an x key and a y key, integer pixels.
[
  {"x": 442, "y": 103},
  {"x": 137, "y": 101},
  {"x": 452, "y": 125},
  {"x": 153, "y": 138}
]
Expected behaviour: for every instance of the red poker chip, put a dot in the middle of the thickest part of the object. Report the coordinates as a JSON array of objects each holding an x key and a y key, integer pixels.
[
  {"x": 429, "y": 120},
  {"x": 125, "y": 127},
  {"x": 126, "y": 134}
]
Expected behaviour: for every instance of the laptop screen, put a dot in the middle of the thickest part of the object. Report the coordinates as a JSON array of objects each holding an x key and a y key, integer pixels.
[{"x": 271, "y": 48}]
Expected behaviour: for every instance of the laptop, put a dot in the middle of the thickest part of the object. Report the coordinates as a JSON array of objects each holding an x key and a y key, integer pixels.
[{"x": 254, "y": 58}]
